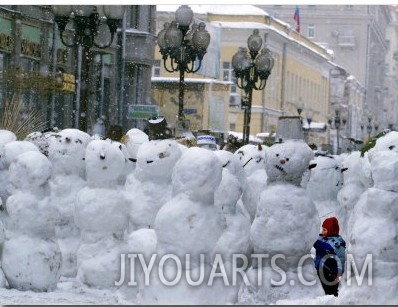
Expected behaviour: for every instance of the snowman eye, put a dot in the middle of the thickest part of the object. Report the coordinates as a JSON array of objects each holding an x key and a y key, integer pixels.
[
  {"x": 277, "y": 155},
  {"x": 287, "y": 159}
]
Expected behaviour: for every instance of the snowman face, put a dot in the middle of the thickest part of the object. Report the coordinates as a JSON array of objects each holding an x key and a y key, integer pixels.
[
  {"x": 67, "y": 149},
  {"x": 288, "y": 161},
  {"x": 327, "y": 172},
  {"x": 252, "y": 157},
  {"x": 388, "y": 142},
  {"x": 231, "y": 162},
  {"x": 104, "y": 161},
  {"x": 157, "y": 158}
]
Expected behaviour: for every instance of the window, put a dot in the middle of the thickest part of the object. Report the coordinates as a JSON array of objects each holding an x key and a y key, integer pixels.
[
  {"x": 228, "y": 75},
  {"x": 311, "y": 30},
  {"x": 156, "y": 68}
]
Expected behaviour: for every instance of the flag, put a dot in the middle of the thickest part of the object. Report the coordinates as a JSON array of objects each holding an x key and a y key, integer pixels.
[{"x": 296, "y": 17}]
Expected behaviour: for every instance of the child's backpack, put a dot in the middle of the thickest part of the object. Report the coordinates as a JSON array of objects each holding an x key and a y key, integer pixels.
[{"x": 330, "y": 256}]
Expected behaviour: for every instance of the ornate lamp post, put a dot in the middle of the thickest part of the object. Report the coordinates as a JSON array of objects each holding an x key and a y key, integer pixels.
[
  {"x": 86, "y": 21},
  {"x": 252, "y": 71},
  {"x": 185, "y": 48}
]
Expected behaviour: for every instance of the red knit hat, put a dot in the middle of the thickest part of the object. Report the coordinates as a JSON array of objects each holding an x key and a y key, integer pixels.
[{"x": 332, "y": 225}]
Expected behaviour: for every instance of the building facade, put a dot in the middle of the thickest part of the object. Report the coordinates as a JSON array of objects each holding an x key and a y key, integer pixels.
[
  {"x": 38, "y": 69},
  {"x": 357, "y": 36},
  {"x": 301, "y": 76}
]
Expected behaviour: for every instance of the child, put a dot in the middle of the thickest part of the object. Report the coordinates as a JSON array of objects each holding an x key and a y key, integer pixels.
[{"x": 330, "y": 256}]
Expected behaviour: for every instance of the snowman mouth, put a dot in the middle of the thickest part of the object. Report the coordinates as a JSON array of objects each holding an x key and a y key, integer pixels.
[
  {"x": 280, "y": 168},
  {"x": 151, "y": 161}
]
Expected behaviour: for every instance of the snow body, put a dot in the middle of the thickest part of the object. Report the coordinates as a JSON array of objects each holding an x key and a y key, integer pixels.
[
  {"x": 374, "y": 219},
  {"x": 31, "y": 256},
  {"x": 149, "y": 187},
  {"x": 101, "y": 213},
  {"x": 189, "y": 224},
  {"x": 66, "y": 151},
  {"x": 286, "y": 221}
]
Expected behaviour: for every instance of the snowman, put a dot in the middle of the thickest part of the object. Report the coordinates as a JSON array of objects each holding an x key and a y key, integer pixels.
[
  {"x": 101, "y": 213},
  {"x": 285, "y": 226},
  {"x": 66, "y": 152},
  {"x": 357, "y": 179},
  {"x": 188, "y": 227},
  {"x": 149, "y": 187},
  {"x": 373, "y": 232},
  {"x": 235, "y": 239},
  {"x": 325, "y": 181},
  {"x": 31, "y": 256},
  {"x": 252, "y": 158}
]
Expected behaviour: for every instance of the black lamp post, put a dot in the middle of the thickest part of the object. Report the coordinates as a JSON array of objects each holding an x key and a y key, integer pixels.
[
  {"x": 86, "y": 22},
  {"x": 251, "y": 71},
  {"x": 336, "y": 120},
  {"x": 185, "y": 48}
]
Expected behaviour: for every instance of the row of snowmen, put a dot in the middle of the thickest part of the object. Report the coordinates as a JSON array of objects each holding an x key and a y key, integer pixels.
[{"x": 73, "y": 204}]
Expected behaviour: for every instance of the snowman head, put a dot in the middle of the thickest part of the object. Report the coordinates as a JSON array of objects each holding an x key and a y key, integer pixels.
[
  {"x": 156, "y": 159},
  {"x": 66, "y": 151},
  {"x": 133, "y": 139},
  {"x": 252, "y": 157},
  {"x": 287, "y": 162},
  {"x": 15, "y": 148},
  {"x": 198, "y": 173},
  {"x": 326, "y": 177},
  {"x": 105, "y": 163},
  {"x": 29, "y": 171},
  {"x": 387, "y": 142},
  {"x": 232, "y": 163}
]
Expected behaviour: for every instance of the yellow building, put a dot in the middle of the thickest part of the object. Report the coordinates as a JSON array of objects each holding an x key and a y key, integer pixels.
[{"x": 300, "y": 76}]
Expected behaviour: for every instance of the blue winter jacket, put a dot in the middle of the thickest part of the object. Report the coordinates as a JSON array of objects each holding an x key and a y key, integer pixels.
[{"x": 330, "y": 254}]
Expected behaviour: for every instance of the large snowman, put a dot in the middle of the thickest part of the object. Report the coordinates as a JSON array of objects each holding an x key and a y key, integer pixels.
[
  {"x": 373, "y": 233},
  {"x": 101, "y": 213},
  {"x": 189, "y": 225},
  {"x": 66, "y": 151},
  {"x": 31, "y": 256},
  {"x": 149, "y": 187},
  {"x": 286, "y": 224}
]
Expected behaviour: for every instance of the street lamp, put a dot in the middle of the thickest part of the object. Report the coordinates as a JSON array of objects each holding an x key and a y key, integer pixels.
[
  {"x": 86, "y": 21},
  {"x": 185, "y": 47},
  {"x": 336, "y": 120},
  {"x": 369, "y": 125},
  {"x": 300, "y": 106},
  {"x": 251, "y": 71}
]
